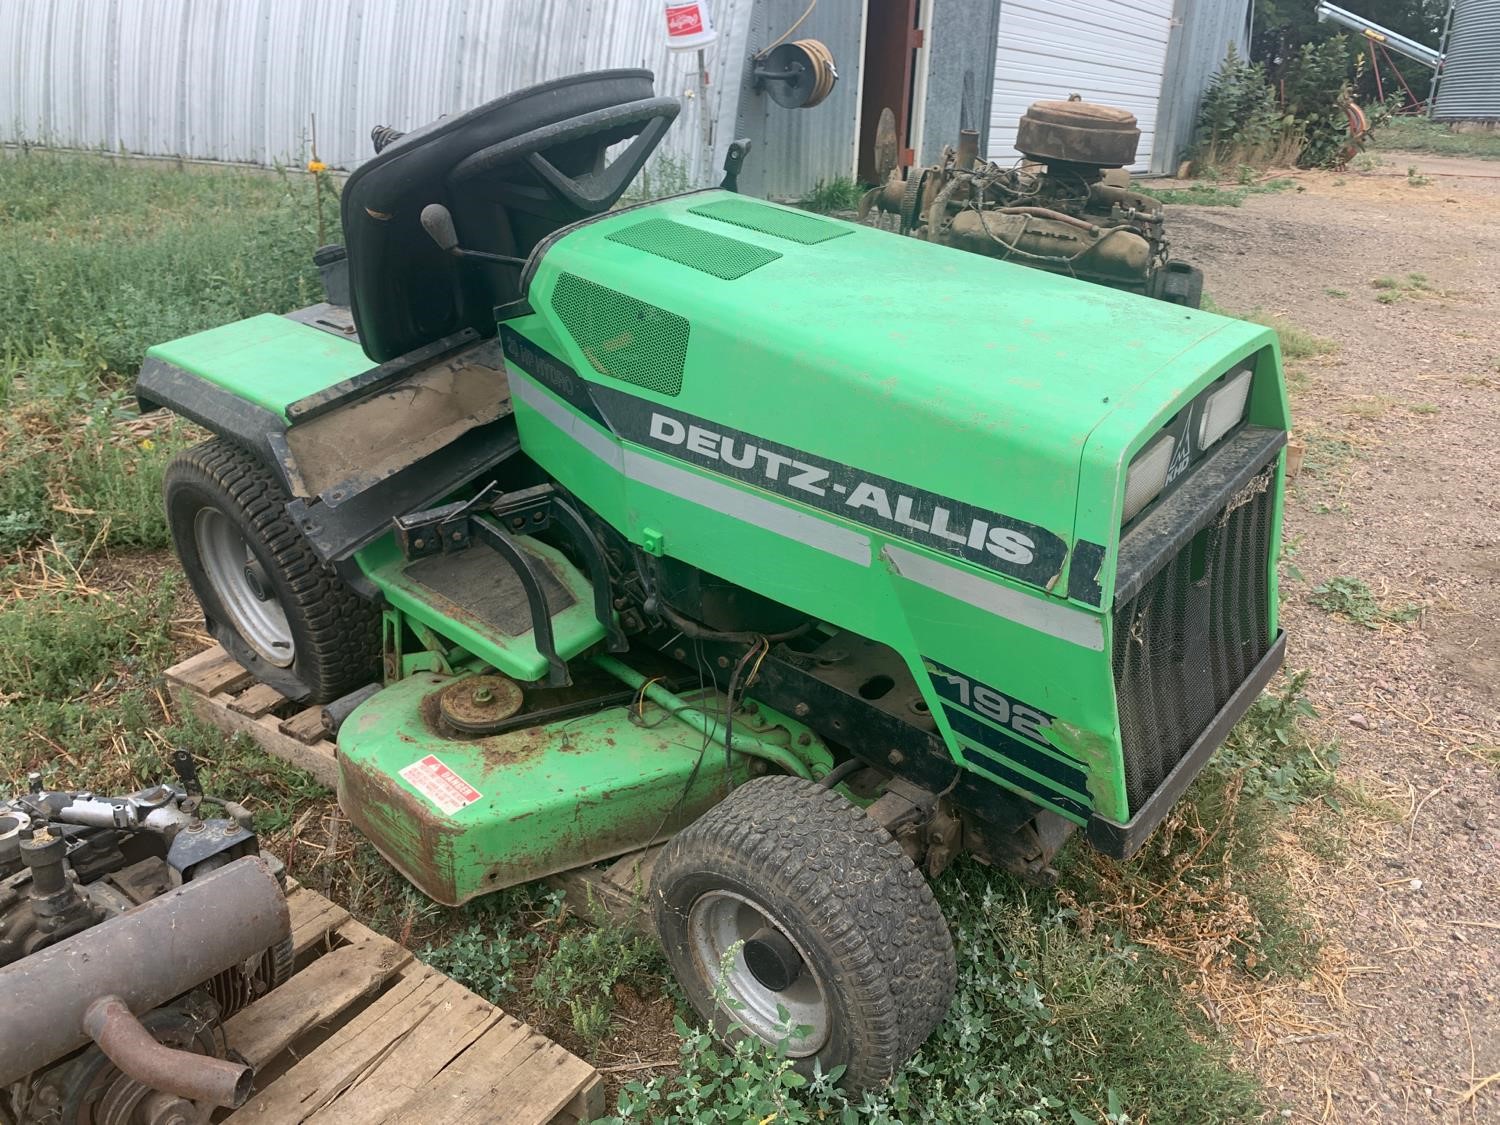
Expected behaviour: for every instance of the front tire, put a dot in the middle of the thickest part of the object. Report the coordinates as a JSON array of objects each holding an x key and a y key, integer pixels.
[
  {"x": 814, "y": 909},
  {"x": 266, "y": 597}
]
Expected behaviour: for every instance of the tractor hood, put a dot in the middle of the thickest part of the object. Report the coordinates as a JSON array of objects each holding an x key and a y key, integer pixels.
[{"x": 957, "y": 380}]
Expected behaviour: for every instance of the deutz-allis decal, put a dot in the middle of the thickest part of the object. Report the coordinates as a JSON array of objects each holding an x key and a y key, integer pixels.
[{"x": 977, "y": 535}]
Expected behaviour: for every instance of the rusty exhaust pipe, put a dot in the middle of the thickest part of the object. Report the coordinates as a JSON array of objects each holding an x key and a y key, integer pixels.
[
  {"x": 142, "y": 958},
  {"x": 968, "y": 149},
  {"x": 137, "y": 1053}
]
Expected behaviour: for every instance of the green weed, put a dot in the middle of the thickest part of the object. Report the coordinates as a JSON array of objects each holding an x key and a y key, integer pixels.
[
  {"x": 662, "y": 176},
  {"x": 1209, "y": 195},
  {"x": 1354, "y": 600},
  {"x": 1296, "y": 343},
  {"x": 580, "y": 974},
  {"x": 1423, "y": 408},
  {"x": 1414, "y": 177},
  {"x": 841, "y": 194},
  {"x": 1339, "y": 293},
  {"x": 486, "y": 953}
]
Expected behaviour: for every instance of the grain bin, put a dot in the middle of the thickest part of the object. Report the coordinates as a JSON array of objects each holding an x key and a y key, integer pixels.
[{"x": 1468, "y": 85}]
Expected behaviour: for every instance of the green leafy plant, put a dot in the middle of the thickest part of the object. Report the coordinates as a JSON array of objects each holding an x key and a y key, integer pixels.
[
  {"x": 580, "y": 974},
  {"x": 1353, "y": 599}
]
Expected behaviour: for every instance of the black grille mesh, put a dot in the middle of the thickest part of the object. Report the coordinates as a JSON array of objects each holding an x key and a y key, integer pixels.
[
  {"x": 623, "y": 337},
  {"x": 714, "y": 254},
  {"x": 1191, "y": 636}
]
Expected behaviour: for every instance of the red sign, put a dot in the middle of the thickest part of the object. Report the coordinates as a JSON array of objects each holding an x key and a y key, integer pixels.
[
  {"x": 440, "y": 785},
  {"x": 684, "y": 20}
]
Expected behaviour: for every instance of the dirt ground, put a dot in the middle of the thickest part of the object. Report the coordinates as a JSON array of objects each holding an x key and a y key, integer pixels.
[{"x": 1401, "y": 490}]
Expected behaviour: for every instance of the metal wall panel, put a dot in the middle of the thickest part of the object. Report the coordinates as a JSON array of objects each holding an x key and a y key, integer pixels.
[
  {"x": 961, "y": 41},
  {"x": 1201, "y": 34},
  {"x": 795, "y": 148},
  {"x": 240, "y": 80},
  {"x": 1468, "y": 88},
  {"x": 1112, "y": 53}
]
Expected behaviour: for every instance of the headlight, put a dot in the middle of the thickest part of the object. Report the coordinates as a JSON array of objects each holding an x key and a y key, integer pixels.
[
  {"x": 1147, "y": 475},
  {"x": 1223, "y": 409}
]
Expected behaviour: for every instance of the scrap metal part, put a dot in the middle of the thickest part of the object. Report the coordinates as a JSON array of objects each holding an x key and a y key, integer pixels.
[
  {"x": 1078, "y": 215},
  {"x": 211, "y": 924}
]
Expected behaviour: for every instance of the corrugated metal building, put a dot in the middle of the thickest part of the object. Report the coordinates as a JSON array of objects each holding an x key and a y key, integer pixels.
[
  {"x": 242, "y": 80},
  {"x": 1468, "y": 85}
]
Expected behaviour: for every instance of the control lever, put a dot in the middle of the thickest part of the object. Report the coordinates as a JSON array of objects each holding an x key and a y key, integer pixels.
[
  {"x": 734, "y": 160},
  {"x": 437, "y": 221},
  {"x": 186, "y": 770}
]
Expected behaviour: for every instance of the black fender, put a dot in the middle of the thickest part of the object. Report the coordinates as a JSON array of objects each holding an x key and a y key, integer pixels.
[{"x": 165, "y": 386}]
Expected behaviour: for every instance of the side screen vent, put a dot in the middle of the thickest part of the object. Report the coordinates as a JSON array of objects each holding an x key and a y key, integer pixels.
[
  {"x": 713, "y": 254},
  {"x": 623, "y": 337},
  {"x": 789, "y": 225}
]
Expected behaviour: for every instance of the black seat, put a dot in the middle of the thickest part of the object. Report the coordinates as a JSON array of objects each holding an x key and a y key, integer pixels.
[{"x": 511, "y": 172}]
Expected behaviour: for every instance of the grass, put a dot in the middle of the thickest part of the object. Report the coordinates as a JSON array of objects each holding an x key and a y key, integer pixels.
[
  {"x": 1389, "y": 289},
  {"x": 841, "y": 194},
  {"x": 1415, "y": 134},
  {"x": 1070, "y": 1005},
  {"x": 1217, "y": 195},
  {"x": 1296, "y": 343}
]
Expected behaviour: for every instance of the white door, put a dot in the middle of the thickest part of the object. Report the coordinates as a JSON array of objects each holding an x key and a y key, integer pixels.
[{"x": 1112, "y": 53}]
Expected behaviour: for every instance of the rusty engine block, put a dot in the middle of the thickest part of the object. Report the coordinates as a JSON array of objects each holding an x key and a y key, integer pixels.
[{"x": 1068, "y": 207}]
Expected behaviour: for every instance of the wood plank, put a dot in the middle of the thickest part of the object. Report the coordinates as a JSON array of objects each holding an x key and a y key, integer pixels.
[
  {"x": 313, "y": 922},
  {"x": 586, "y": 1105},
  {"x": 314, "y": 996},
  {"x": 317, "y": 760},
  {"x": 632, "y": 872},
  {"x": 456, "y": 1020},
  {"x": 470, "y": 1080},
  {"x": 257, "y": 700},
  {"x": 611, "y": 895},
  {"x": 351, "y": 1052},
  {"x": 184, "y": 671},
  {"x": 211, "y": 672},
  {"x": 544, "y": 1091},
  {"x": 535, "y": 1089},
  {"x": 306, "y": 726}
]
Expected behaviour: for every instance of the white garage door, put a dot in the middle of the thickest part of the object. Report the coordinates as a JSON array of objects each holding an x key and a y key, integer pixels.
[{"x": 1110, "y": 53}]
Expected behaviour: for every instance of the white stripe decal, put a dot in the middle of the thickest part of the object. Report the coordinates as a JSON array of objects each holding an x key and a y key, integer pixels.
[
  {"x": 569, "y": 421},
  {"x": 1060, "y": 621},
  {"x": 744, "y": 506}
]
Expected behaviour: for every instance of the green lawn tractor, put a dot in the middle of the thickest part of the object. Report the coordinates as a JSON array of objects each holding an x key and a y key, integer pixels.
[{"x": 822, "y": 554}]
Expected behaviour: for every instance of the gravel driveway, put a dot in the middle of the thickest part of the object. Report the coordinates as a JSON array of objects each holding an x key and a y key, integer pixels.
[{"x": 1401, "y": 491}]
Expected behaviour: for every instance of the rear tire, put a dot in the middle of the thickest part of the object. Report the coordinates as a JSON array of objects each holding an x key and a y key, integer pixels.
[
  {"x": 266, "y": 597},
  {"x": 817, "y": 910}
]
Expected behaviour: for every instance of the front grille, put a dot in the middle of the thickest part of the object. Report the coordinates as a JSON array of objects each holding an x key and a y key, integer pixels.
[{"x": 1192, "y": 635}]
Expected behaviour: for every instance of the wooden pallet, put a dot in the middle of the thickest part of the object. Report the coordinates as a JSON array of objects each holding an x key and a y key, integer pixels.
[
  {"x": 363, "y": 1034},
  {"x": 219, "y": 691}
]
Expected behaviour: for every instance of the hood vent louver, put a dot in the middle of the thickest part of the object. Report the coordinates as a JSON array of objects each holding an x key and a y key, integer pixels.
[{"x": 703, "y": 250}]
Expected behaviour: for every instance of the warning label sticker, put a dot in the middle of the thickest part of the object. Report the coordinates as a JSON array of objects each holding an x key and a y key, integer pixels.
[{"x": 440, "y": 785}]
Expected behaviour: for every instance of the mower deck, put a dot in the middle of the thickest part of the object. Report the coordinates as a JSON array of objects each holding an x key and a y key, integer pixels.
[{"x": 461, "y": 815}]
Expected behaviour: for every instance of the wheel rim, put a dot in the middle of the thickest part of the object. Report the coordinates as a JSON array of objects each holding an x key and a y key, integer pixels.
[
  {"x": 720, "y": 921},
  {"x": 235, "y": 572}
]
